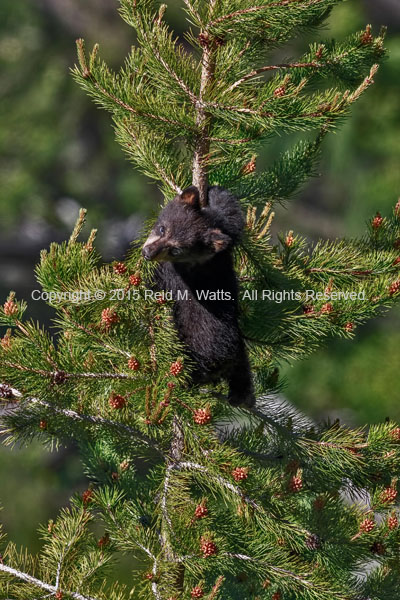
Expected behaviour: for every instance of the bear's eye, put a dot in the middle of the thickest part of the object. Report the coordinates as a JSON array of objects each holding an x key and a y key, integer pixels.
[
  {"x": 161, "y": 230},
  {"x": 175, "y": 251}
]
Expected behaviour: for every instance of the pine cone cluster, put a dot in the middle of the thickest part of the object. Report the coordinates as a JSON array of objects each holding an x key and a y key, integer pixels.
[
  {"x": 109, "y": 317},
  {"x": 176, "y": 368},
  {"x": 201, "y": 511},
  {"x": 394, "y": 288},
  {"x": 116, "y": 401},
  {"x": 87, "y": 496},
  {"x": 6, "y": 342},
  {"x": 367, "y": 37},
  {"x": 10, "y": 308},
  {"x": 133, "y": 364},
  {"x": 296, "y": 484},
  {"x": 135, "y": 280},
  {"x": 202, "y": 416},
  {"x": 119, "y": 268},
  {"x": 197, "y": 592},
  {"x": 240, "y": 473},
  {"x": 395, "y": 434},
  {"x": 280, "y": 91},
  {"x": 207, "y": 547},
  {"x": 367, "y": 525},
  {"x": 393, "y": 522},
  {"x": 388, "y": 495},
  {"x": 377, "y": 221},
  {"x": 327, "y": 308}
]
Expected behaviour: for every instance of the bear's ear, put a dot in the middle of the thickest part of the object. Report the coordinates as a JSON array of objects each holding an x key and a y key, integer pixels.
[
  {"x": 190, "y": 196},
  {"x": 218, "y": 241}
]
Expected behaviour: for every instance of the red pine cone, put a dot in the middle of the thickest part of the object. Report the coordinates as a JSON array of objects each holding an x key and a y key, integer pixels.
[
  {"x": 289, "y": 239},
  {"x": 280, "y": 91},
  {"x": 394, "y": 288},
  {"x": 240, "y": 473},
  {"x": 87, "y": 496},
  {"x": 249, "y": 167},
  {"x": 119, "y": 268},
  {"x": 388, "y": 495},
  {"x": 6, "y": 342},
  {"x": 296, "y": 484},
  {"x": 109, "y": 317},
  {"x": 116, "y": 401},
  {"x": 176, "y": 368},
  {"x": 197, "y": 592},
  {"x": 104, "y": 541},
  {"x": 43, "y": 425},
  {"x": 377, "y": 221},
  {"x": 276, "y": 596},
  {"x": 201, "y": 511},
  {"x": 133, "y": 363},
  {"x": 58, "y": 595},
  {"x": 367, "y": 525},
  {"x": 208, "y": 547},
  {"x": 349, "y": 326},
  {"x": 10, "y": 308},
  {"x": 135, "y": 279},
  {"x": 170, "y": 385},
  {"x": 393, "y": 521},
  {"x": 395, "y": 434},
  {"x": 327, "y": 308},
  {"x": 367, "y": 37},
  {"x": 59, "y": 377},
  {"x": 202, "y": 416},
  {"x": 149, "y": 576},
  {"x": 124, "y": 465},
  {"x": 308, "y": 309}
]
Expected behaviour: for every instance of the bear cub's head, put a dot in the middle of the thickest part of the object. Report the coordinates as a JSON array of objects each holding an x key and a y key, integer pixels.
[{"x": 186, "y": 233}]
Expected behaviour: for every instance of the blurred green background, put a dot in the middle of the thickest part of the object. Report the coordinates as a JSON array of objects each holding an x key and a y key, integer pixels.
[{"x": 58, "y": 153}]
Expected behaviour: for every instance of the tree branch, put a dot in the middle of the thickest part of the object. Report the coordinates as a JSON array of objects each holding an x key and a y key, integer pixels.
[
  {"x": 71, "y": 414},
  {"x": 203, "y": 119},
  {"x": 233, "y": 488},
  {"x": 40, "y": 584},
  {"x": 279, "y": 570},
  {"x": 254, "y": 9},
  {"x": 256, "y": 72},
  {"x": 53, "y": 374}
]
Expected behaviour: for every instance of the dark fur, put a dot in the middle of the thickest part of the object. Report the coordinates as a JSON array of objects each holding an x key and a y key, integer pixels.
[{"x": 196, "y": 253}]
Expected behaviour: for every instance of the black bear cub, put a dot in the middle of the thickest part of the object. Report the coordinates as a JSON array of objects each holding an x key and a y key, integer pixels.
[{"x": 194, "y": 248}]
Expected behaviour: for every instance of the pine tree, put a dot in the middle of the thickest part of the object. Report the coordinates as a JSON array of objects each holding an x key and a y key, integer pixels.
[{"x": 214, "y": 502}]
